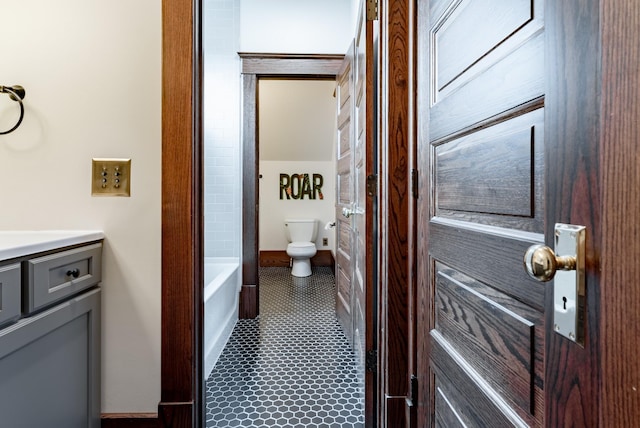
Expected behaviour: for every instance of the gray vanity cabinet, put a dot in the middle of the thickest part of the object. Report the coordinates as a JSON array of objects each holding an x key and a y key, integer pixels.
[{"x": 50, "y": 356}]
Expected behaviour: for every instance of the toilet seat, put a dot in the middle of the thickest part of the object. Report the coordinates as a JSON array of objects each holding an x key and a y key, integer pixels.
[
  {"x": 301, "y": 245},
  {"x": 301, "y": 249}
]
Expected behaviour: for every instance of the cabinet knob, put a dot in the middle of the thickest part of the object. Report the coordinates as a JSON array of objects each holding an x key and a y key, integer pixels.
[{"x": 74, "y": 273}]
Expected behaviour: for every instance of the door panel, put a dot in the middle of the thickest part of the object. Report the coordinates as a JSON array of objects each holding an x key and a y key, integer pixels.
[
  {"x": 446, "y": 415},
  {"x": 493, "y": 331},
  {"x": 468, "y": 396},
  {"x": 480, "y": 186},
  {"x": 498, "y": 186},
  {"x": 485, "y": 155},
  {"x": 451, "y": 35},
  {"x": 497, "y": 77}
]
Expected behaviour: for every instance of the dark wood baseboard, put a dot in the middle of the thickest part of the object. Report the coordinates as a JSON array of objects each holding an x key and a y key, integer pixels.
[
  {"x": 281, "y": 259},
  {"x": 249, "y": 304},
  {"x": 274, "y": 259},
  {"x": 129, "y": 420}
]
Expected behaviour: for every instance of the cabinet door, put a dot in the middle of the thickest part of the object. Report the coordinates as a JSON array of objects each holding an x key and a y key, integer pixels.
[
  {"x": 50, "y": 367},
  {"x": 9, "y": 293}
]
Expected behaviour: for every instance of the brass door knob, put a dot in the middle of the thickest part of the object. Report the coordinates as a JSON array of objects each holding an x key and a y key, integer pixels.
[
  {"x": 348, "y": 212},
  {"x": 541, "y": 263}
]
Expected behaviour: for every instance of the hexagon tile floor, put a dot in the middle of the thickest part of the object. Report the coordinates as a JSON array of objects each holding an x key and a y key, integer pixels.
[{"x": 290, "y": 367}]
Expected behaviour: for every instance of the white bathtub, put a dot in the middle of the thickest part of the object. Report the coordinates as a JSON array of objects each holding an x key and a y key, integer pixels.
[{"x": 221, "y": 292}]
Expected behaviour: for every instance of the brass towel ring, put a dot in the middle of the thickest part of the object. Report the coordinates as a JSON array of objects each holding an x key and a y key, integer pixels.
[{"x": 16, "y": 93}]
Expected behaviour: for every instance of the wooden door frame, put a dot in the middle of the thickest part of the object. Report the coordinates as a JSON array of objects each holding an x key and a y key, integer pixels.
[
  {"x": 254, "y": 67},
  {"x": 182, "y": 264},
  {"x": 182, "y": 392},
  {"x": 397, "y": 263}
]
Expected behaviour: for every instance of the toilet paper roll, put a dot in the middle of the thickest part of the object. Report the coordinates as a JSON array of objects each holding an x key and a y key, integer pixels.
[{"x": 329, "y": 225}]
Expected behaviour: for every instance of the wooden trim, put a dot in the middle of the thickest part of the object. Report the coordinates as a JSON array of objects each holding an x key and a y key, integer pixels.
[
  {"x": 281, "y": 259},
  {"x": 249, "y": 304},
  {"x": 255, "y": 66},
  {"x": 182, "y": 257},
  {"x": 274, "y": 64},
  {"x": 129, "y": 420},
  {"x": 397, "y": 146},
  {"x": 372, "y": 392},
  {"x": 274, "y": 259}
]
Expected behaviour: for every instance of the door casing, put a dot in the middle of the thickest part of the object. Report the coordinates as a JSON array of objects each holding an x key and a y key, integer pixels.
[{"x": 256, "y": 66}]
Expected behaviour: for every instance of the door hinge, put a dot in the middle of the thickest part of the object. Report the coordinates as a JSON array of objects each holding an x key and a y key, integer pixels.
[
  {"x": 414, "y": 183},
  {"x": 371, "y": 360},
  {"x": 414, "y": 389},
  {"x": 412, "y": 400},
  {"x": 372, "y": 185},
  {"x": 372, "y": 10}
]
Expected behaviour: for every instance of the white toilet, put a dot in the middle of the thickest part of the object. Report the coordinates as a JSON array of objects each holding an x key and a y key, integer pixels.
[{"x": 301, "y": 234}]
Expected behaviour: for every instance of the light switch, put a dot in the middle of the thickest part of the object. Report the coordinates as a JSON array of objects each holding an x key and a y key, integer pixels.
[{"x": 111, "y": 177}]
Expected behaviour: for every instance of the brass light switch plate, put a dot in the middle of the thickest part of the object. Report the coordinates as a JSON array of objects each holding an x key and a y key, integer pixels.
[{"x": 111, "y": 177}]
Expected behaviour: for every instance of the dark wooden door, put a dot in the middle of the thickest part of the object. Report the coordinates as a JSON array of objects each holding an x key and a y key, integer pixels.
[
  {"x": 481, "y": 149},
  {"x": 523, "y": 124}
]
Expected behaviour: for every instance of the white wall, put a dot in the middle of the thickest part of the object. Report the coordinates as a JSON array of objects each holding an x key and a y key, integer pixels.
[
  {"x": 297, "y": 26},
  {"x": 296, "y": 119},
  {"x": 222, "y": 196},
  {"x": 274, "y": 211},
  {"x": 92, "y": 72},
  {"x": 297, "y": 132}
]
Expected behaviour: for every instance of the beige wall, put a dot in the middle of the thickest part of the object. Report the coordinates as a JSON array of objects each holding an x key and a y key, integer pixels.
[{"x": 92, "y": 72}]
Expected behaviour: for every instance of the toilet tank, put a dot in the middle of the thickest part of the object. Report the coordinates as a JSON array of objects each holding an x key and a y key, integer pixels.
[{"x": 301, "y": 230}]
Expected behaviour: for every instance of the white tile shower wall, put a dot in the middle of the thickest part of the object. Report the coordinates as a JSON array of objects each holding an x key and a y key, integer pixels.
[{"x": 222, "y": 210}]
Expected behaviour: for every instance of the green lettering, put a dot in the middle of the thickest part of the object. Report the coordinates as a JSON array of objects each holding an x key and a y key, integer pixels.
[
  {"x": 317, "y": 185},
  {"x": 284, "y": 185}
]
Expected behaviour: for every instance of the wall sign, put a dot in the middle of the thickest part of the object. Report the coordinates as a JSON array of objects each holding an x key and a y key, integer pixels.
[{"x": 297, "y": 186}]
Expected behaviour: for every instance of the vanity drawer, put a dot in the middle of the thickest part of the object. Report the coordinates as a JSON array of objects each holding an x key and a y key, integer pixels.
[
  {"x": 60, "y": 275},
  {"x": 9, "y": 293}
]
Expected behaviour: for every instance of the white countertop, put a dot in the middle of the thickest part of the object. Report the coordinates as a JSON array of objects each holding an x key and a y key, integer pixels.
[{"x": 18, "y": 243}]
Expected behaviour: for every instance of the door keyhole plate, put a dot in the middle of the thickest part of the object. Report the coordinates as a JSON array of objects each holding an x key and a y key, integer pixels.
[{"x": 569, "y": 287}]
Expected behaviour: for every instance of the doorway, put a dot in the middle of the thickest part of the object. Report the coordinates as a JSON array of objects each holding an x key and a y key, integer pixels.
[
  {"x": 296, "y": 165},
  {"x": 255, "y": 67}
]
